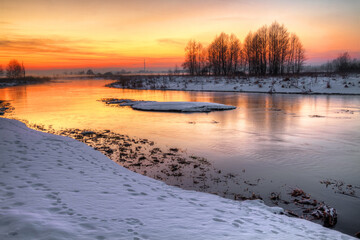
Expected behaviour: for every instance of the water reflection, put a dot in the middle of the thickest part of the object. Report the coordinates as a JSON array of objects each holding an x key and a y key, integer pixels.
[
  {"x": 259, "y": 119},
  {"x": 19, "y": 93}
]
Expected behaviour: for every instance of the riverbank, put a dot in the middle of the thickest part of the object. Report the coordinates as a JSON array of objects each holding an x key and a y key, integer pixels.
[
  {"x": 9, "y": 82},
  {"x": 335, "y": 84},
  {"x": 53, "y": 185},
  {"x": 179, "y": 168}
]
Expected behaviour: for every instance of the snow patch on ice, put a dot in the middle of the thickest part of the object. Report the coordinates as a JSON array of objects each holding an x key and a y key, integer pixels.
[{"x": 171, "y": 106}]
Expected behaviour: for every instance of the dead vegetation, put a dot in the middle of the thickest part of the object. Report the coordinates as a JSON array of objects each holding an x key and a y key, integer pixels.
[
  {"x": 5, "y": 107},
  {"x": 340, "y": 187}
]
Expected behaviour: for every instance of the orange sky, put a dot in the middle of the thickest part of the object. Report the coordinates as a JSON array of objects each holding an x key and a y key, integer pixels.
[{"x": 48, "y": 34}]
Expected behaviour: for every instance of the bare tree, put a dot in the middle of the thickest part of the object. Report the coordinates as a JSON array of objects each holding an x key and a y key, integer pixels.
[
  {"x": 214, "y": 59},
  {"x": 190, "y": 63},
  {"x": 284, "y": 46},
  {"x": 203, "y": 68},
  {"x": 271, "y": 50},
  {"x": 248, "y": 52},
  {"x": 268, "y": 50},
  {"x": 233, "y": 54},
  {"x": 299, "y": 56},
  {"x": 223, "y": 43},
  {"x": 90, "y": 72},
  {"x": 176, "y": 70},
  {"x": 242, "y": 59},
  {"x": 256, "y": 58},
  {"x": 14, "y": 69},
  {"x": 255, "y": 51},
  {"x": 1, "y": 70},
  {"x": 224, "y": 54},
  {"x": 342, "y": 63},
  {"x": 274, "y": 49},
  {"x": 278, "y": 48},
  {"x": 218, "y": 54},
  {"x": 22, "y": 70},
  {"x": 262, "y": 34},
  {"x": 329, "y": 66},
  {"x": 296, "y": 55},
  {"x": 291, "y": 54}
]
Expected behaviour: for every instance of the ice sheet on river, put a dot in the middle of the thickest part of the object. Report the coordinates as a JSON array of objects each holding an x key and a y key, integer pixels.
[
  {"x": 171, "y": 106},
  {"x": 54, "y": 187}
]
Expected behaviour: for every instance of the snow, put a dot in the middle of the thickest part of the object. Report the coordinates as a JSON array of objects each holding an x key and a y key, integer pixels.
[
  {"x": 54, "y": 187},
  {"x": 171, "y": 106},
  {"x": 7, "y": 84},
  {"x": 301, "y": 85},
  {"x": 181, "y": 106}
]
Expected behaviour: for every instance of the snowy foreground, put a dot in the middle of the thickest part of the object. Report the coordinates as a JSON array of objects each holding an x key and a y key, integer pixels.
[
  {"x": 170, "y": 106},
  {"x": 53, "y": 187},
  {"x": 302, "y": 85}
]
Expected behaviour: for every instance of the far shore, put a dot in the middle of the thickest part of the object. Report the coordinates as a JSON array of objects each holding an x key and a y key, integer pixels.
[
  {"x": 303, "y": 84},
  {"x": 10, "y": 82},
  {"x": 319, "y": 84}
]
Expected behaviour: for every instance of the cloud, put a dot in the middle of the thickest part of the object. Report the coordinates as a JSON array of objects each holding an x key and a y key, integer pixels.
[
  {"x": 4, "y": 23},
  {"x": 232, "y": 18},
  {"x": 37, "y": 45},
  {"x": 172, "y": 41},
  {"x": 54, "y": 46},
  {"x": 56, "y": 52}
]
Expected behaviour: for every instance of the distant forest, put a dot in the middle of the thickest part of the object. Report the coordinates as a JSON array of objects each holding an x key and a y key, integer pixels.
[
  {"x": 342, "y": 64},
  {"x": 268, "y": 51}
]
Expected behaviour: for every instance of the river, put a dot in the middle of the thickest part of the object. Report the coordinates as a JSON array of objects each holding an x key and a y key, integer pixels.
[{"x": 286, "y": 140}]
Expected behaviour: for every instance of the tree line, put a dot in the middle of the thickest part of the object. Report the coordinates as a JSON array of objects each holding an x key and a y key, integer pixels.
[
  {"x": 342, "y": 64},
  {"x": 14, "y": 70},
  {"x": 270, "y": 50}
]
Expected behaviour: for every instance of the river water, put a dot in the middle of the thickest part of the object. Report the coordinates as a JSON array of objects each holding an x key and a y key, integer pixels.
[{"x": 286, "y": 140}]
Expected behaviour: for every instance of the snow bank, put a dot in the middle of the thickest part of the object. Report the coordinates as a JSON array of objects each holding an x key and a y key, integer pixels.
[
  {"x": 171, "y": 106},
  {"x": 300, "y": 85},
  {"x": 7, "y": 84},
  {"x": 53, "y": 187}
]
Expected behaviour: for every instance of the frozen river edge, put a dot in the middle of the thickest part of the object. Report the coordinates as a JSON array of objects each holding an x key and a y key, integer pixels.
[
  {"x": 56, "y": 187},
  {"x": 329, "y": 85}
]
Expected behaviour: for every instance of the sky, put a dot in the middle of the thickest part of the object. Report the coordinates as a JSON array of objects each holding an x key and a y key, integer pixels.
[{"x": 67, "y": 34}]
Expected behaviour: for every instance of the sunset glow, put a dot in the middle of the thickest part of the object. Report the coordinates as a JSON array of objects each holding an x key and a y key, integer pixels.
[{"x": 121, "y": 34}]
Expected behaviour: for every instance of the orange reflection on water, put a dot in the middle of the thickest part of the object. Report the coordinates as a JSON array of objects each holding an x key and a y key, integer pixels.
[{"x": 258, "y": 117}]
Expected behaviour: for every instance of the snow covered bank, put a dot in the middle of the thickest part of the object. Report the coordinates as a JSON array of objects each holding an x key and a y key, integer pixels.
[
  {"x": 53, "y": 187},
  {"x": 8, "y": 82},
  {"x": 301, "y": 85},
  {"x": 170, "y": 106}
]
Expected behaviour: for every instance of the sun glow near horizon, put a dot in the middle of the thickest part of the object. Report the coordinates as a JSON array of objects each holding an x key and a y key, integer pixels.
[{"x": 120, "y": 34}]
